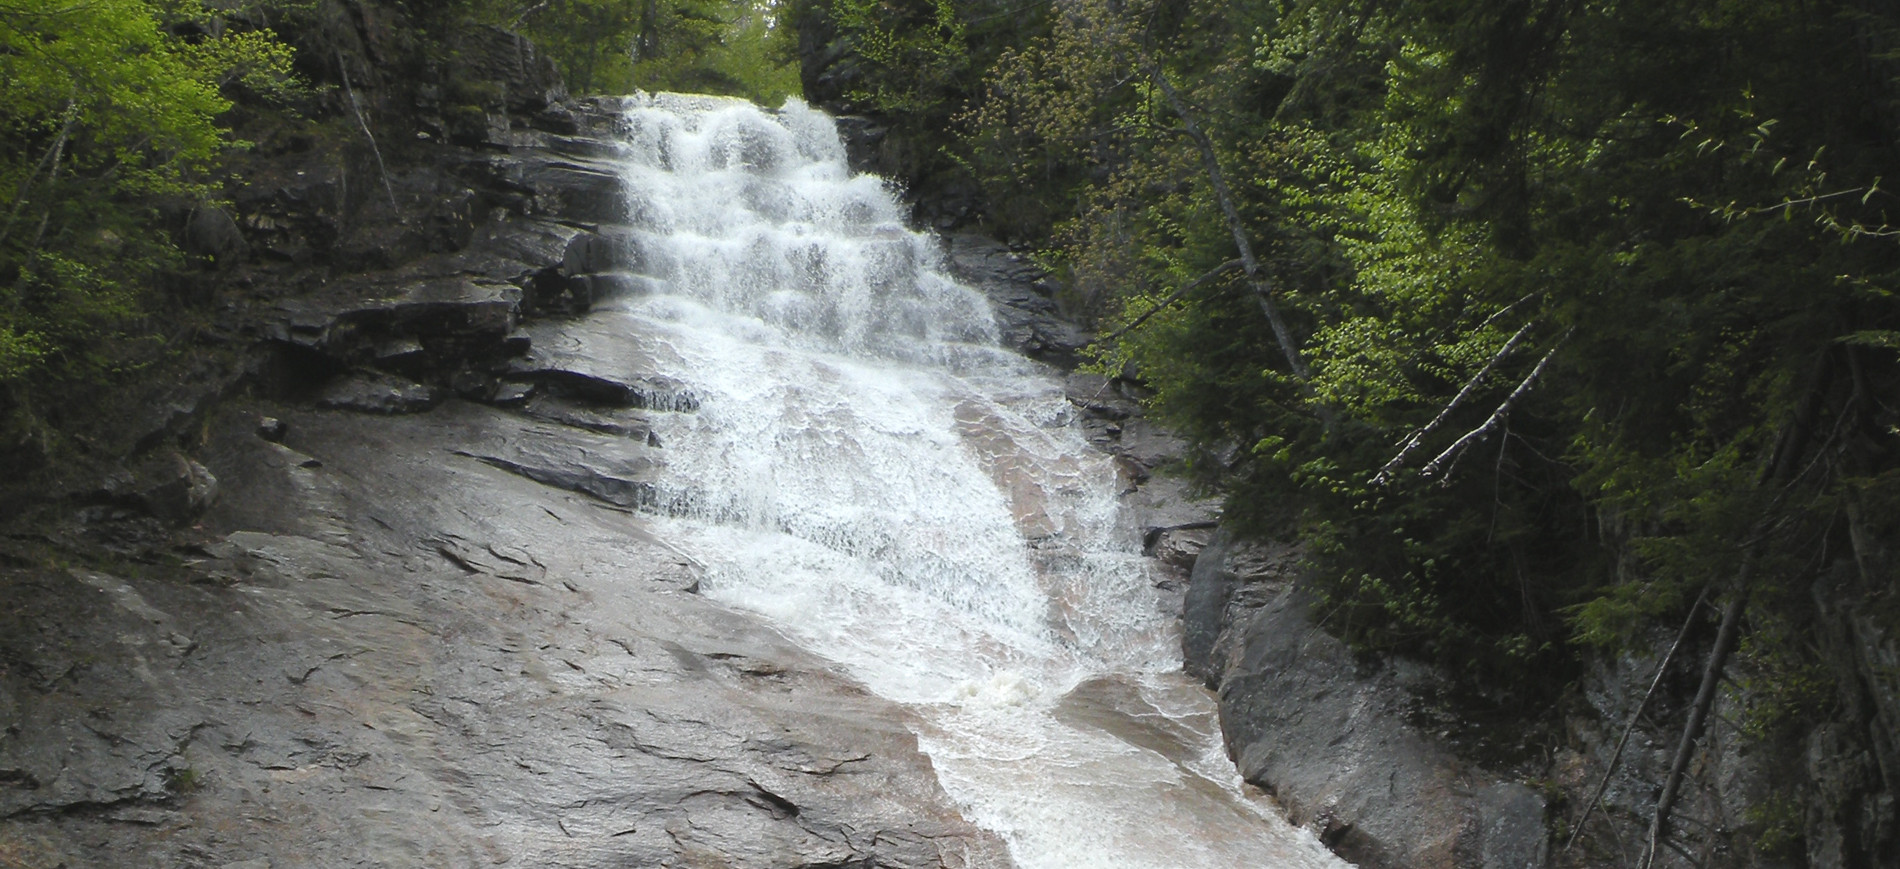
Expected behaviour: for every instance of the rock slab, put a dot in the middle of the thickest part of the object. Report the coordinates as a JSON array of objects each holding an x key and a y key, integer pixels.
[{"x": 1328, "y": 736}]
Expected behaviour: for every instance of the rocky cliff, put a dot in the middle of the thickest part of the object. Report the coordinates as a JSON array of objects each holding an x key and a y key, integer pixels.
[
  {"x": 366, "y": 590},
  {"x": 1392, "y": 766}
]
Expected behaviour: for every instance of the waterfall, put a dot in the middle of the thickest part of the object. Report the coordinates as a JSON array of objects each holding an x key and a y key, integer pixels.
[{"x": 872, "y": 473}]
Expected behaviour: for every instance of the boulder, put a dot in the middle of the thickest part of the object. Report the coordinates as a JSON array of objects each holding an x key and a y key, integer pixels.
[
  {"x": 168, "y": 485},
  {"x": 591, "y": 361},
  {"x": 402, "y": 321},
  {"x": 210, "y": 232},
  {"x": 579, "y": 190},
  {"x": 612, "y": 249}
]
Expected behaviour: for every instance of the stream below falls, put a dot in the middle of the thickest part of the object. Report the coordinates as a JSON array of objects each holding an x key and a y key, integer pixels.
[{"x": 869, "y": 470}]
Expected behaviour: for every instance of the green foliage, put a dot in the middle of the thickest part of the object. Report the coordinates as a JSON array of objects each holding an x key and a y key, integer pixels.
[
  {"x": 1679, "y": 205},
  {"x": 1779, "y": 823},
  {"x": 734, "y": 47},
  {"x": 915, "y": 51},
  {"x": 758, "y": 54},
  {"x": 184, "y": 780},
  {"x": 105, "y": 111}
]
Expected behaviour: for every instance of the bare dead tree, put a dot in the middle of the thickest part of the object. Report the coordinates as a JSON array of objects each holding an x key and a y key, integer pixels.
[
  {"x": 1636, "y": 715},
  {"x": 362, "y": 122},
  {"x": 1448, "y": 459},
  {"x": 1262, "y": 289},
  {"x": 1412, "y": 441}
]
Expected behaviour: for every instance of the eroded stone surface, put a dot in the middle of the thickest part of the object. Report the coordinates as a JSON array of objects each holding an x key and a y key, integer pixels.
[
  {"x": 1022, "y": 295},
  {"x": 392, "y": 651},
  {"x": 1330, "y": 738}
]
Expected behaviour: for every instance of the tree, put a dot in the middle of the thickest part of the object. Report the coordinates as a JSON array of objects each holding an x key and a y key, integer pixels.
[
  {"x": 714, "y": 46},
  {"x": 104, "y": 112}
]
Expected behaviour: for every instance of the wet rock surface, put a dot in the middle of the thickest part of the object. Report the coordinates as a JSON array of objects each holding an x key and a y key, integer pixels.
[
  {"x": 1329, "y": 736},
  {"x": 429, "y": 640},
  {"x": 1022, "y": 295}
]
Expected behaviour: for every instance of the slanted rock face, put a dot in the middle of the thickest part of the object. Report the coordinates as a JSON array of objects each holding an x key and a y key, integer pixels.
[
  {"x": 1329, "y": 738},
  {"x": 409, "y": 641},
  {"x": 369, "y": 623}
]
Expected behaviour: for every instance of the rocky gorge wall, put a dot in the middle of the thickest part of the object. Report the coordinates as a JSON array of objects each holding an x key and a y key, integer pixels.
[{"x": 1390, "y": 768}]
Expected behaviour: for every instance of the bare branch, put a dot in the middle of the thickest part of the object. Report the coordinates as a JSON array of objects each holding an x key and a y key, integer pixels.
[
  {"x": 1173, "y": 297},
  {"x": 1636, "y": 714},
  {"x": 527, "y": 12},
  {"x": 1451, "y": 453},
  {"x": 1499, "y": 313},
  {"x": 52, "y": 156},
  {"x": 350, "y": 94},
  {"x": 1699, "y": 712},
  {"x": 1412, "y": 441}
]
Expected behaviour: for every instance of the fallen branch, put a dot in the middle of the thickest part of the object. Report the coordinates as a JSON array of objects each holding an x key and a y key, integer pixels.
[
  {"x": 350, "y": 94},
  {"x": 1636, "y": 714},
  {"x": 1699, "y": 712},
  {"x": 1411, "y": 442},
  {"x": 1452, "y": 453},
  {"x": 1173, "y": 297}
]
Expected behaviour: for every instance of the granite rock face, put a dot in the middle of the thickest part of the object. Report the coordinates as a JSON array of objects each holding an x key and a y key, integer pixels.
[
  {"x": 1329, "y": 736},
  {"x": 1023, "y": 297},
  {"x": 410, "y": 641}
]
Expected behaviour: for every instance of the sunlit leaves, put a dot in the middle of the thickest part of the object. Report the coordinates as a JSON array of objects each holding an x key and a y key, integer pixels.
[{"x": 103, "y": 110}]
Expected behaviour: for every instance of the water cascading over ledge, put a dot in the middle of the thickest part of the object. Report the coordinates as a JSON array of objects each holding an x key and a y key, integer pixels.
[{"x": 870, "y": 470}]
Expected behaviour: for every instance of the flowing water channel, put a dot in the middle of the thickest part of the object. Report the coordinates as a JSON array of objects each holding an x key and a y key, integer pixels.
[{"x": 870, "y": 471}]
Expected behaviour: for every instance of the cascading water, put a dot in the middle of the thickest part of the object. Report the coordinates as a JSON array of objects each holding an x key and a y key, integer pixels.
[{"x": 868, "y": 469}]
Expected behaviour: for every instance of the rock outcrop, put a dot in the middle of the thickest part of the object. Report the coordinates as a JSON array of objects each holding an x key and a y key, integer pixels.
[
  {"x": 1331, "y": 737},
  {"x": 1023, "y": 297},
  {"x": 418, "y": 640}
]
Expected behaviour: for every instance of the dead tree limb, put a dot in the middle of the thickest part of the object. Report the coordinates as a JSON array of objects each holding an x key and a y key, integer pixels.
[
  {"x": 1210, "y": 161},
  {"x": 1412, "y": 441},
  {"x": 523, "y": 14},
  {"x": 1450, "y": 456},
  {"x": 350, "y": 94},
  {"x": 1636, "y": 715},
  {"x": 1780, "y": 465},
  {"x": 1173, "y": 297},
  {"x": 52, "y": 156},
  {"x": 1699, "y": 712}
]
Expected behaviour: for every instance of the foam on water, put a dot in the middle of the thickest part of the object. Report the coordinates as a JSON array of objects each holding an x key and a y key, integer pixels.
[{"x": 868, "y": 469}]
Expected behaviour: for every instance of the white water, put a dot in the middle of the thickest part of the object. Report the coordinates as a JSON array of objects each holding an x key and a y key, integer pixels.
[{"x": 898, "y": 494}]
